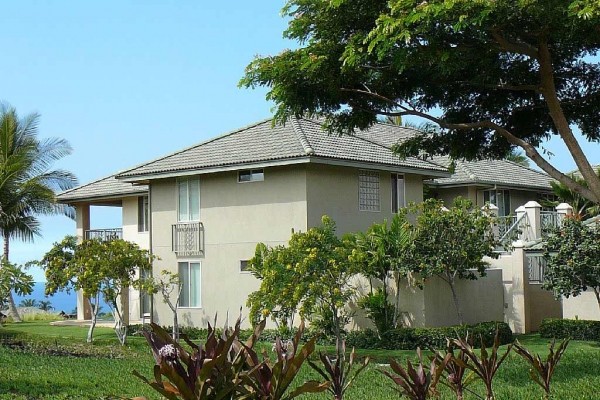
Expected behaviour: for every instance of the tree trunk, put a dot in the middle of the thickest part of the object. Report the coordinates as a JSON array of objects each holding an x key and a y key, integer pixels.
[
  {"x": 397, "y": 305},
  {"x": 339, "y": 347},
  {"x": 90, "y": 335},
  {"x": 12, "y": 307},
  {"x": 597, "y": 293},
  {"x": 455, "y": 299},
  {"x": 120, "y": 326}
]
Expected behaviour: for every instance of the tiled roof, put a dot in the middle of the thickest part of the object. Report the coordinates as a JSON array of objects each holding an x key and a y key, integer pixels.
[
  {"x": 101, "y": 189},
  {"x": 297, "y": 139},
  {"x": 492, "y": 172}
]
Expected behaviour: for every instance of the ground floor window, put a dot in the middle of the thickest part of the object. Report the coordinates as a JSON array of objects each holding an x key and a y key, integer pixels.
[
  {"x": 189, "y": 275},
  {"x": 499, "y": 198},
  {"x": 398, "y": 192}
]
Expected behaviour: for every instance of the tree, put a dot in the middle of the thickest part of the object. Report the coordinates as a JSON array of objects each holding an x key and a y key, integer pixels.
[
  {"x": 494, "y": 74},
  {"x": 583, "y": 208},
  {"x": 452, "y": 243},
  {"x": 167, "y": 284},
  {"x": 518, "y": 157},
  {"x": 13, "y": 278},
  {"x": 382, "y": 253},
  {"x": 45, "y": 305},
  {"x": 27, "y": 184},
  {"x": 310, "y": 274},
  {"x": 573, "y": 259},
  {"x": 28, "y": 303},
  {"x": 98, "y": 268}
]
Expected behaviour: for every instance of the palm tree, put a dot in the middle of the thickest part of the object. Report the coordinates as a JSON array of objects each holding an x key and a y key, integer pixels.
[
  {"x": 27, "y": 184},
  {"x": 28, "y": 303},
  {"x": 45, "y": 305}
]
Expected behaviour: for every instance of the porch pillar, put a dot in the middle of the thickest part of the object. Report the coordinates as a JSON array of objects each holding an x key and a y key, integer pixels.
[
  {"x": 492, "y": 211},
  {"x": 82, "y": 224},
  {"x": 533, "y": 210},
  {"x": 563, "y": 210}
]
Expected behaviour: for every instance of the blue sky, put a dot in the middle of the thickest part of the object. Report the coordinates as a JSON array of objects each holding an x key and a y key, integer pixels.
[{"x": 125, "y": 82}]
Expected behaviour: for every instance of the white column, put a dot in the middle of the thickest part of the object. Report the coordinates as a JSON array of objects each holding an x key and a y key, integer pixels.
[
  {"x": 492, "y": 211},
  {"x": 82, "y": 223},
  {"x": 533, "y": 210},
  {"x": 563, "y": 210}
]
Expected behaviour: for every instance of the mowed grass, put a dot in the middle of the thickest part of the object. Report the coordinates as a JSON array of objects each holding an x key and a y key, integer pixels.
[{"x": 29, "y": 375}]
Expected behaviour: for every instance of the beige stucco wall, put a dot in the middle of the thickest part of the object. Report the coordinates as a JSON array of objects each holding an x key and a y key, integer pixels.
[
  {"x": 480, "y": 300},
  {"x": 333, "y": 191},
  {"x": 235, "y": 217},
  {"x": 447, "y": 195},
  {"x": 542, "y": 305},
  {"x": 583, "y": 306},
  {"x": 130, "y": 233}
]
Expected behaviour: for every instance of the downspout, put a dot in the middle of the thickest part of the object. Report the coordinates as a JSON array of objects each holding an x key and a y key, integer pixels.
[{"x": 150, "y": 246}]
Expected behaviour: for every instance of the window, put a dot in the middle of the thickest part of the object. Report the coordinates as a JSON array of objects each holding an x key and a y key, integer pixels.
[
  {"x": 499, "y": 198},
  {"x": 189, "y": 275},
  {"x": 398, "y": 193},
  {"x": 189, "y": 200},
  {"x": 251, "y": 175},
  {"x": 368, "y": 191},
  {"x": 143, "y": 214},
  {"x": 244, "y": 266}
]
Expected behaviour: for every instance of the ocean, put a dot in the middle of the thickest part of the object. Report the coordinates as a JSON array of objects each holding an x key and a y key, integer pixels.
[{"x": 61, "y": 301}]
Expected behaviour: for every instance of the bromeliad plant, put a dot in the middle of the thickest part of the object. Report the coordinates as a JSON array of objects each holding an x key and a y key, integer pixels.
[
  {"x": 486, "y": 364},
  {"x": 339, "y": 371},
  {"x": 418, "y": 383},
  {"x": 211, "y": 370},
  {"x": 270, "y": 380},
  {"x": 541, "y": 372}
]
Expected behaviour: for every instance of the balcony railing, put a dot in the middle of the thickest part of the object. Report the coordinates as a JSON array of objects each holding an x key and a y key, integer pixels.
[
  {"x": 188, "y": 238},
  {"x": 104, "y": 234},
  {"x": 549, "y": 221}
]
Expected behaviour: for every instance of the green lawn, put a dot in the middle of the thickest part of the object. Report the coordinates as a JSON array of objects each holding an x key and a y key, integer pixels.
[{"x": 104, "y": 369}]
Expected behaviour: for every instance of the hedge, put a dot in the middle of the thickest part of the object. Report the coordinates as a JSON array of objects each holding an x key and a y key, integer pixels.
[
  {"x": 411, "y": 338},
  {"x": 578, "y": 329},
  {"x": 397, "y": 339}
]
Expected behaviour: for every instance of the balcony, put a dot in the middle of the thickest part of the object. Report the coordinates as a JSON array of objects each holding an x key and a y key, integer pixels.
[
  {"x": 188, "y": 238},
  {"x": 104, "y": 234}
]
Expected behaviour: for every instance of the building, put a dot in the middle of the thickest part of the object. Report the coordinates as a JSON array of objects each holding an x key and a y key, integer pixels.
[{"x": 202, "y": 211}]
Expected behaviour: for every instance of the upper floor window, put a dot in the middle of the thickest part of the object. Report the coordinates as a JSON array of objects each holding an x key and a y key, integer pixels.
[
  {"x": 189, "y": 200},
  {"x": 143, "y": 214},
  {"x": 251, "y": 175},
  {"x": 368, "y": 191},
  {"x": 398, "y": 192},
  {"x": 499, "y": 198}
]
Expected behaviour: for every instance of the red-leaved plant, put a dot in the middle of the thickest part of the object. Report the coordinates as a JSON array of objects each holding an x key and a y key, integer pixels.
[
  {"x": 456, "y": 368},
  {"x": 541, "y": 372},
  {"x": 418, "y": 383},
  {"x": 339, "y": 371}
]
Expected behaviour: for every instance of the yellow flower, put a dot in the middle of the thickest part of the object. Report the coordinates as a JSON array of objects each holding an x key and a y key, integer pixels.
[{"x": 266, "y": 312}]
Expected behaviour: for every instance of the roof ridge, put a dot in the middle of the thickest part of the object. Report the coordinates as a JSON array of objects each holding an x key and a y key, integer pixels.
[
  {"x": 229, "y": 133},
  {"x": 304, "y": 142},
  {"x": 472, "y": 176}
]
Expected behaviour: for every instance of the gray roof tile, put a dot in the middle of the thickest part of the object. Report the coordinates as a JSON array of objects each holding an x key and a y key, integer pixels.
[
  {"x": 492, "y": 172},
  {"x": 101, "y": 189},
  {"x": 298, "y": 138}
]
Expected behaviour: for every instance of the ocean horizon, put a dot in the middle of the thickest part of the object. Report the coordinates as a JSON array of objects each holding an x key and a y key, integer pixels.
[{"x": 61, "y": 301}]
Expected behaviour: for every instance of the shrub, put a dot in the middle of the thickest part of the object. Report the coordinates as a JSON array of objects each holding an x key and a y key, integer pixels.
[
  {"x": 411, "y": 338},
  {"x": 577, "y": 329}
]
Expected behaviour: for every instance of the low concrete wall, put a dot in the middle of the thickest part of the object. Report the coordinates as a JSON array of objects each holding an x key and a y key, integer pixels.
[
  {"x": 542, "y": 304},
  {"x": 583, "y": 306}
]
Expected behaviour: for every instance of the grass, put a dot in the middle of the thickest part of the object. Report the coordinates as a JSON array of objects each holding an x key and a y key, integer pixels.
[{"x": 104, "y": 369}]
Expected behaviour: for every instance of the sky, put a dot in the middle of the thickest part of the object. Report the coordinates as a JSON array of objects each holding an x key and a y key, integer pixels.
[{"x": 128, "y": 81}]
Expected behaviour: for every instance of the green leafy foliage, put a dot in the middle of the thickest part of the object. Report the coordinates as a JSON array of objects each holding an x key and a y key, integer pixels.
[
  {"x": 456, "y": 368},
  {"x": 309, "y": 276},
  {"x": 486, "y": 364},
  {"x": 380, "y": 253},
  {"x": 452, "y": 243},
  {"x": 98, "y": 268},
  {"x": 573, "y": 259},
  {"x": 411, "y": 338},
  {"x": 541, "y": 371},
  {"x": 576, "y": 329},
  {"x": 504, "y": 74},
  {"x": 418, "y": 383},
  {"x": 13, "y": 278},
  {"x": 339, "y": 371}
]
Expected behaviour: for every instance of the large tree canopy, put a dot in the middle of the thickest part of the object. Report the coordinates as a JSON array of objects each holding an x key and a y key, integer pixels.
[{"x": 504, "y": 73}]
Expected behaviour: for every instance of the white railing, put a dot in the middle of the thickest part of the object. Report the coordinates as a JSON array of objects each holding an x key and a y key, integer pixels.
[
  {"x": 104, "y": 234},
  {"x": 549, "y": 221},
  {"x": 518, "y": 230}
]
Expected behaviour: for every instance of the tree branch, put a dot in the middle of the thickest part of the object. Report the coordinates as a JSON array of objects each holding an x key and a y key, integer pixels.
[{"x": 514, "y": 47}]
